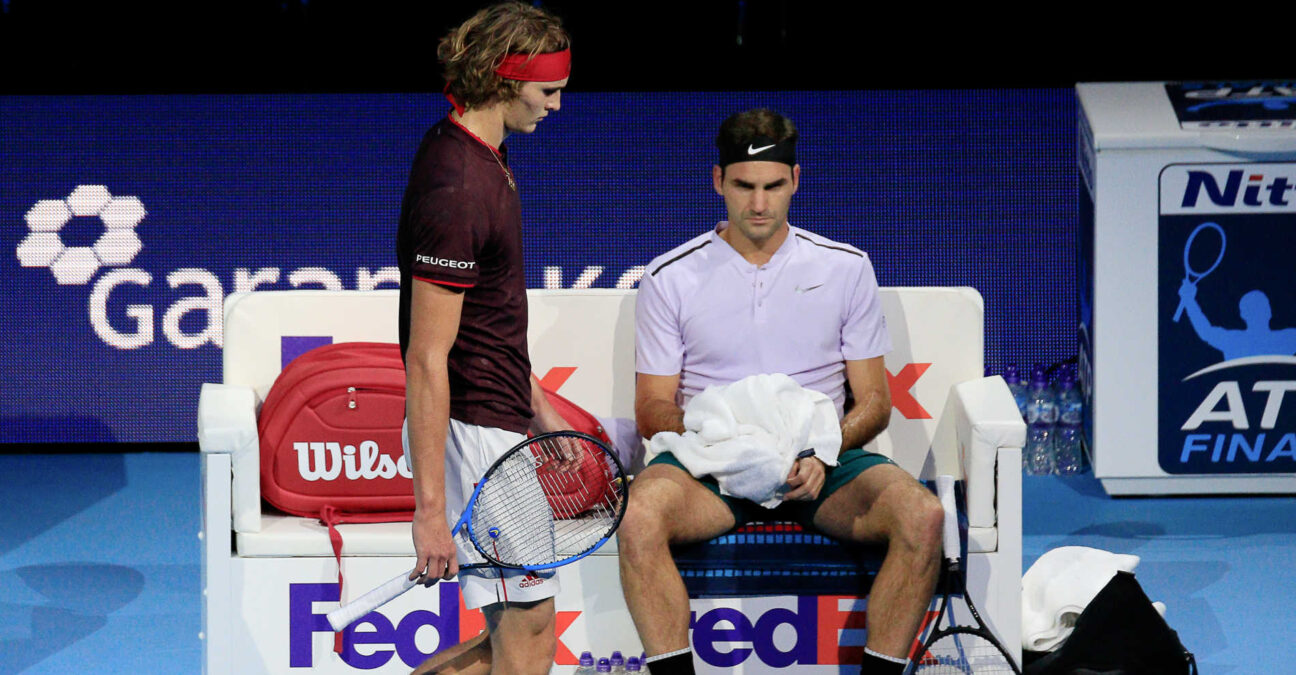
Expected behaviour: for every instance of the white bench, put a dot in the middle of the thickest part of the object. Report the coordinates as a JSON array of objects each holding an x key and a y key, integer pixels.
[{"x": 269, "y": 578}]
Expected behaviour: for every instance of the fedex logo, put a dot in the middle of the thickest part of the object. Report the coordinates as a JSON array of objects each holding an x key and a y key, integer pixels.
[
  {"x": 779, "y": 632},
  {"x": 811, "y": 632},
  {"x": 901, "y": 384},
  {"x": 823, "y": 630},
  {"x": 372, "y": 641}
]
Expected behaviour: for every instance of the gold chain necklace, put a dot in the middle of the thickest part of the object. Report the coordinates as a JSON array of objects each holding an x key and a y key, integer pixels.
[
  {"x": 507, "y": 174},
  {"x": 494, "y": 153}
]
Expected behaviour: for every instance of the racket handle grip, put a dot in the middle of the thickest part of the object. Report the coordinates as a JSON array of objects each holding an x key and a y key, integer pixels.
[
  {"x": 349, "y": 613},
  {"x": 950, "y": 536},
  {"x": 1179, "y": 311}
]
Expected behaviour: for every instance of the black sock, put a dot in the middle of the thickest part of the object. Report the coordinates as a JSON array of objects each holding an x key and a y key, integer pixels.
[
  {"x": 875, "y": 664},
  {"x": 679, "y": 664}
]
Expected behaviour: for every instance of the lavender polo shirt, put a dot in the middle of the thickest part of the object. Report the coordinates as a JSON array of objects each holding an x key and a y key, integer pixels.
[{"x": 705, "y": 313}]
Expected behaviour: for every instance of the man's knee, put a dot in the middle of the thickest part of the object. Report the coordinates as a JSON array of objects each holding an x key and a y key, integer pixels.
[
  {"x": 920, "y": 519},
  {"x": 645, "y": 524}
]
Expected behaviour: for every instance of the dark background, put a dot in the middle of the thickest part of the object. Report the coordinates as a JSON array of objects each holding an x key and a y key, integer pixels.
[
  {"x": 916, "y": 51},
  {"x": 260, "y": 46}
]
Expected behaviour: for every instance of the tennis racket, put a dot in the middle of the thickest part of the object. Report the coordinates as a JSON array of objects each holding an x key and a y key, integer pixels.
[
  {"x": 549, "y": 501},
  {"x": 956, "y": 649},
  {"x": 1192, "y": 276}
]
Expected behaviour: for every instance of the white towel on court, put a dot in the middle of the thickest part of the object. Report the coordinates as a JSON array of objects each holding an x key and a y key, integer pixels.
[
  {"x": 1058, "y": 587},
  {"x": 747, "y": 435}
]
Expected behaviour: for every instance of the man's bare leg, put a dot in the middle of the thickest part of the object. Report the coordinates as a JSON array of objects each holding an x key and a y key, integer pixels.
[
  {"x": 471, "y": 657},
  {"x": 667, "y": 506},
  {"x": 522, "y": 637},
  {"x": 887, "y": 505}
]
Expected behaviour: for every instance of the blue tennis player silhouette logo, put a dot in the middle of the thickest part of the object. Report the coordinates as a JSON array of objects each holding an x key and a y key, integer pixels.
[{"x": 1258, "y": 338}]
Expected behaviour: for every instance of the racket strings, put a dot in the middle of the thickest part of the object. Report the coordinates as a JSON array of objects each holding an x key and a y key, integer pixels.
[
  {"x": 584, "y": 482},
  {"x": 559, "y": 497},
  {"x": 962, "y": 653},
  {"x": 563, "y": 480},
  {"x": 584, "y": 488},
  {"x": 512, "y": 518}
]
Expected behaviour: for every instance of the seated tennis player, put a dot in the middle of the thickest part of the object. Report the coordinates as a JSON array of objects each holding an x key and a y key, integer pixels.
[{"x": 757, "y": 295}]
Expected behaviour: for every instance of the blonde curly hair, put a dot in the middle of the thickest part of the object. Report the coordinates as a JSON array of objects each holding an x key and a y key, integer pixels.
[{"x": 470, "y": 53}]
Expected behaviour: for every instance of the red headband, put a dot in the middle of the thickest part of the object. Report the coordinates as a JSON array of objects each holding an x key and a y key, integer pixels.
[{"x": 547, "y": 67}]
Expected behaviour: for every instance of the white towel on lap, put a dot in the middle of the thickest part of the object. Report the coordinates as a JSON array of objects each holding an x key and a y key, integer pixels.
[
  {"x": 1058, "y": 587},
  {"x": 748, "y": 434}
]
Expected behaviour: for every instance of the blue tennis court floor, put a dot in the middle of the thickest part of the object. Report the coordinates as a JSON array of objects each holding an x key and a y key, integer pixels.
[{"x": 100, "y": 563}]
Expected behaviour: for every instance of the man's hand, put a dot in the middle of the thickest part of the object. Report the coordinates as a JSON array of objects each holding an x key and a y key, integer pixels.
[
  {"x": 1187, "y": 291},
  {"x": 435, "y": 548},
  {"x": 805, "y": 480},
  {"x": 563, "y": 454}
]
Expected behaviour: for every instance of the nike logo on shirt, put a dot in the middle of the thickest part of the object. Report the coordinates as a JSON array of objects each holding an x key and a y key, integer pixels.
[{"x": 807, "y": 289}]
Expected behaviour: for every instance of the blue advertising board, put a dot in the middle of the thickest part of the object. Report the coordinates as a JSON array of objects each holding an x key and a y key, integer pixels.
[
  {"x": 1227, "y": 317},
  {"x": 126, "y": 220}
]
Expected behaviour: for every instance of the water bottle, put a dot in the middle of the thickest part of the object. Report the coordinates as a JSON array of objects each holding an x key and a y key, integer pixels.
[
  {"x": 586, "y": 666},
  {"x": 604, "y": 666},
  {"x": 1068, "y": 450},
  {"x": 633, "y": 665},
  {"x": 617, "y": 662},
  {"x": 1041, "y": 416},
  {"x": 1016, "y": 386}
]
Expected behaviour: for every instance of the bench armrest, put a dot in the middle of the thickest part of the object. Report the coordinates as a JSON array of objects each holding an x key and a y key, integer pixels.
[
  {"x": 985, "y": 419},
  {"x": 227, "y": 424}
]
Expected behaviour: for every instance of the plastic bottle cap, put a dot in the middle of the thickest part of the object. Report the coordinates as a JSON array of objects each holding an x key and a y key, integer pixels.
[{"x": 586, "y": 659}]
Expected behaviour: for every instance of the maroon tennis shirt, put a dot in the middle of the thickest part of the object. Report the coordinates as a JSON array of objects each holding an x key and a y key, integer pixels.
[{"x": 461, "y": 228}]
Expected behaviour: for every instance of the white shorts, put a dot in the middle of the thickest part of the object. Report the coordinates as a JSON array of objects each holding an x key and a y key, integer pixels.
[{"x": 470, "y": 451}]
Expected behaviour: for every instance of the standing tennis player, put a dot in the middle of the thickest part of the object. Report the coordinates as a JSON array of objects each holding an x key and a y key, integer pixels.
[
  {"x": 757, "y": 295},
  {"x": 463, "y": 315}
]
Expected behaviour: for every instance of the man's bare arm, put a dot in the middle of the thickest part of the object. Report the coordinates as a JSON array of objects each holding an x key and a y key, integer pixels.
[
  {"x": 655, "y": 407},
  {"x": 546, "y": 419},
  {"x": 872, "y": 411},
  {"x": 434, "y": 324}
]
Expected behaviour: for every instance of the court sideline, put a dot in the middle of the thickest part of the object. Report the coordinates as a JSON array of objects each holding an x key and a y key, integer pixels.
[{"x": 100, "y": 563}]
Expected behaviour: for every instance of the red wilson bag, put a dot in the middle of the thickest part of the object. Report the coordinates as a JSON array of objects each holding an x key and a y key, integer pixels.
[{"x": 330, "y": 432}]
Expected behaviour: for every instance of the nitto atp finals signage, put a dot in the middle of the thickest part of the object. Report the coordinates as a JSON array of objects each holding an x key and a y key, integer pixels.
[{"x": 1227, "y": 318}]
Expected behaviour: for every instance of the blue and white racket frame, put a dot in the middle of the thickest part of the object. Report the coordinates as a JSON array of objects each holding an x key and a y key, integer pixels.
[{"x": 354, "y": 610}]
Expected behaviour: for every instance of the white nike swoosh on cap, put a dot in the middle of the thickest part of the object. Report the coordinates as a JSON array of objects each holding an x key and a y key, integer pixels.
[{"x": 752, "y": 150}]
